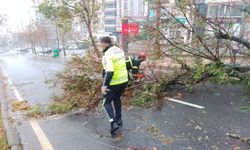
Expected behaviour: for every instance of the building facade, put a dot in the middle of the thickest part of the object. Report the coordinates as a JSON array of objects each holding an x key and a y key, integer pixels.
[
  {"x": 228, "y": 13},
  {"x": 115, "y": 10},
  {"x": 48, "y": 26}
]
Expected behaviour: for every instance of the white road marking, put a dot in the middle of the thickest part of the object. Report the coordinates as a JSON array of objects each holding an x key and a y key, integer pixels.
[
  {"x": 39, "y": 64},
  {"x": 41, "y": 136},
  {"x": 13, "y": 88},
  {"x": 54, "y": 68},
  {"x": 185, "y": 103},
  {"x": 45, "y": 144}
]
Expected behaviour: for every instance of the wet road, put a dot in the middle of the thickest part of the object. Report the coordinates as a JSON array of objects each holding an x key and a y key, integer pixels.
[
  {"x": 175, "y": 127},
  {"x": 28, "y": 73}
]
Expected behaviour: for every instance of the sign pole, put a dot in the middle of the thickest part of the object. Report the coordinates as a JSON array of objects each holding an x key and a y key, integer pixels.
[{"x": 124, "y": 35}]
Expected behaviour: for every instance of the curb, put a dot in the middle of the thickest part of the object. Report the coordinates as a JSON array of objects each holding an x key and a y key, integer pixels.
[{"x": 12, "y": 135}]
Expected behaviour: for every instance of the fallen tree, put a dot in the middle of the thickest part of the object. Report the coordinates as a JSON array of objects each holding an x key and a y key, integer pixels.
[{"x": 207, "y": 53}]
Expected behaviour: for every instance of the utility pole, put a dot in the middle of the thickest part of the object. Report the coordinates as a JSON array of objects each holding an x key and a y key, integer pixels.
[
  {"x": 124, "y": 36},
  {"x": 57, "y": 34}
]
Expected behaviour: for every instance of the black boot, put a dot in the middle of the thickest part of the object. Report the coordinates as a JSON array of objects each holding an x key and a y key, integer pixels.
[
  {"x": 114, "y": 127},
  {"x": 119, "y": 122}
]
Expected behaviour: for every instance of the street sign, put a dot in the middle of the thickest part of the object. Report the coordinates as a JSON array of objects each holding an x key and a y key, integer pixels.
[{"x": 129, "y": 28}]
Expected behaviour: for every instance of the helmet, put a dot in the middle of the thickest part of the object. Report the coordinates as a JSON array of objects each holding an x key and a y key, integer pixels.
[{"x": 142, "y": 56}]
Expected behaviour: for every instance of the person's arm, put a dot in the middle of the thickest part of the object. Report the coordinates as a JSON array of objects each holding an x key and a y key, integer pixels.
[
  {"x": 135, "y": 69},
  {"x": 135, "y": 66},
  {"x": 107, "y": 78}
]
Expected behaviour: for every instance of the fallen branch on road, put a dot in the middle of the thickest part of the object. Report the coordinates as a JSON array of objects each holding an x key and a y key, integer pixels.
[{"x": 236, "y": 136}]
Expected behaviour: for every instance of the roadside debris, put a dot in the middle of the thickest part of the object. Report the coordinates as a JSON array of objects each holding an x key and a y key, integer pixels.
[
  {"x": 158, "y": 135},
  {"x": 237, "y": 136},
  {"x": 197, "y": 128},
  {"x": 20, "y": 105}
]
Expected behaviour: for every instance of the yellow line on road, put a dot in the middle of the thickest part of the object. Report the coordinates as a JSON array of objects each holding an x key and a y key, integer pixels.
[{"x": 41, "y": 136}]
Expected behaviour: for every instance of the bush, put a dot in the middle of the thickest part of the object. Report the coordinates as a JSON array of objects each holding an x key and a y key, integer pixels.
[
  {"x": 246, "y": 85},
  {"x": 60, "y": 108},
  {"x": 80, "y": 81},
  {"x": 149, "y": 94},
  {"x": 35, "y": 112}
]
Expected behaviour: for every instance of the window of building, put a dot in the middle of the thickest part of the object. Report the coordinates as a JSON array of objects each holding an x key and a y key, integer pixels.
[
  {"x": 176, "y": 34},
  {"x": 216, "y": 11},
  {"x": 108, "y": 29},
  {"x": 110, "y": 13},
  {"x": 213, "y": 11},
  {"x": 236, "y": 11},
  {"x": 110, "y": 21},
  {"x": 110, "y": 5},
  {"x": 125, "y": 5}
]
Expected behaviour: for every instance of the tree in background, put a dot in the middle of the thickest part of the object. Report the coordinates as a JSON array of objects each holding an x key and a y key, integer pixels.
[
  {"x": 84, "y": 11},
  {"x": 35, "y": 35},
  {"x": 62, "y": 16}
]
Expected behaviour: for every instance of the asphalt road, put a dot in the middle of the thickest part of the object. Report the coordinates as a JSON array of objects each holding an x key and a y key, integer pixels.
[
  {"x": 28, "y": 73},
  {"x": 175, "y": 127}
]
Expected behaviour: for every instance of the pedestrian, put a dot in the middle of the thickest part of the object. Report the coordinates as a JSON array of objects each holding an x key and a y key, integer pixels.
[{"x": 115, "y": 81}]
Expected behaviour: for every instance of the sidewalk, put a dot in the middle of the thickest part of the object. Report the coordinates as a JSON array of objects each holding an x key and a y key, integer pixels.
[
  {"x": 11, "y": 132},
  {"x": 176, "y": 126}
]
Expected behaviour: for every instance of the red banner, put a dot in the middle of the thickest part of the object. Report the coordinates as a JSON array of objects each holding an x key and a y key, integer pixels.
[{"x": 129, "y": 28}]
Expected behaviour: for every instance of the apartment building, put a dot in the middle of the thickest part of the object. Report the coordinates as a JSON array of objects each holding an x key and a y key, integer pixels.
[
  {"x": 115, "y": 10},
  {"x": 228, "y": 13}
]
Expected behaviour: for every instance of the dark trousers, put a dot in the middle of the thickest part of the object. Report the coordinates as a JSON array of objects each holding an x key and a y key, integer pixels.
[{"x": 114, "y": 94}]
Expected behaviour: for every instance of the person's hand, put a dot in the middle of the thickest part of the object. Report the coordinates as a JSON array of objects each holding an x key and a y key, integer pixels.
[{"x": 104, "y": 90}]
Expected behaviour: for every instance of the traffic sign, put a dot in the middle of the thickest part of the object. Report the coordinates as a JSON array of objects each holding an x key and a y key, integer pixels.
[{"x": 130, "y": 28}]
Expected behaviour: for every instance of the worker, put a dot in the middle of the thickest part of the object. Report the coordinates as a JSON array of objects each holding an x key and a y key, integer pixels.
[
  {"x": 133, "y": 65},
  {"x": 115, "y": 82}
]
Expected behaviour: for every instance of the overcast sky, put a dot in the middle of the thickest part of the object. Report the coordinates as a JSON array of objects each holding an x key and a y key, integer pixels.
[{"x": 18, "y": 13}]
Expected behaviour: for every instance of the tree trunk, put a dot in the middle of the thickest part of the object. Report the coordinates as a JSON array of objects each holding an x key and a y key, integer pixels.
[
  {"x": 33, "y": 48},
  {"x": 226, "y": 36},
  {"x": 243, "y": 69},
  {"x": 41, "y": 47},
  {"x": 63, "y": 44},
  {"x": 93, "y": 41},
  {"x": 157, "y": 46}
]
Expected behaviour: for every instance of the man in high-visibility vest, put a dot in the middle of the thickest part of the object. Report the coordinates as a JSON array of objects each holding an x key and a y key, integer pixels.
[
  {"x": 115, "y": 81},
  {"x": 133, "y": 65}
]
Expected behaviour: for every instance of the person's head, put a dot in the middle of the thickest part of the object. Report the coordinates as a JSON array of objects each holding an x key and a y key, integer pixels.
[
  {"x": 105, "y": 42},
  {"x": 142, "y": 56}
]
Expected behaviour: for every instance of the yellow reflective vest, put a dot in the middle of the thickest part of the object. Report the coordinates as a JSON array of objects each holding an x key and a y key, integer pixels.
[{"x": 114, "y": 61}]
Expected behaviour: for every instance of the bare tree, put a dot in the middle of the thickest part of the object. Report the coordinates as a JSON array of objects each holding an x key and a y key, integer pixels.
[
  {"x": 86, "y": 12},
  {"x": 62, "y": 17},
  {"x": 35, "y": 35},
  {"x": 198, "y": 44}
]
